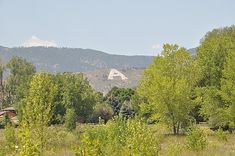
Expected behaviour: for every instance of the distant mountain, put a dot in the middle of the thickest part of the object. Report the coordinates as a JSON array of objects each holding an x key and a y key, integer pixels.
[
  {"x": 192, "y": 51},
  {"x": 74, "y": 59},
  {"x": 95, "y": 65}
]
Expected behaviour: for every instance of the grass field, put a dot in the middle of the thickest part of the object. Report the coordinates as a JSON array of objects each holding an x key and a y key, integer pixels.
[
  {"x": 63, "y": 143},
  {"x": 173, "y": 145}
]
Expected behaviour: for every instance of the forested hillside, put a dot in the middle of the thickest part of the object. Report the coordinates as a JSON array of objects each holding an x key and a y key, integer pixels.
[{"x": 73, "y": 59}]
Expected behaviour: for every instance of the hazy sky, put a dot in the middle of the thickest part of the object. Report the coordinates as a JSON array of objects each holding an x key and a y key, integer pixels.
[{"x": 115, "y": 26}]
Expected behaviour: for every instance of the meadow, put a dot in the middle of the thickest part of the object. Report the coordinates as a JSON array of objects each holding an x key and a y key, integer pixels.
[{"x": 61, "y": 142}]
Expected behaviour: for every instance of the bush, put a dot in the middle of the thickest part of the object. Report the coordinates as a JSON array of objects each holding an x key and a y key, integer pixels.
[
  {"x": 221, "y": 135},
  {"x": 70, "y": 119},
  {"x": 8, "y": 146},
  {"x": 119, "y": 137},
  {"x": 126, "y": 110},
  {"x": 6, "y": 120},
  {"x": 29, "y": 143},
  {"x": 103, "y": 111},
  {"x": 196, "y": 138},
  {"x": 10, "y": 138}
]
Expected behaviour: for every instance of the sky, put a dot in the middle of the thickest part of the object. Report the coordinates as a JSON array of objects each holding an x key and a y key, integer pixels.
[{"x": 127, "y": 27}]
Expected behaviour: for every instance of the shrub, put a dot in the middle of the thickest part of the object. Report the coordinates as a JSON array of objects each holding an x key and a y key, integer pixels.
[
  {"x": 126, "y": 110},
  {"x": 6, "y": 120},
  {"x": 196, "y": 138},
  {"x": 119, "y": 137},
  {"x": 103, "y": 111},
  {"x": 29, "y": 143},
  {"x": 70, "y": 119},
  {"x": 10, "y": 138},
  {"x": 221, "y": 135}
]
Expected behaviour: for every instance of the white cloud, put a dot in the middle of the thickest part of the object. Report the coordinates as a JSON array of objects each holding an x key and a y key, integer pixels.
[
  {"x": 36, "y": 42},
  {"x": 157, "y": 46}
]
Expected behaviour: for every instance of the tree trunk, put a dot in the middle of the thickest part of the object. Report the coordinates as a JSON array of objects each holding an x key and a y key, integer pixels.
[
  {"x": 174, "y": 129},
  {"x": 2, "y": 88},
  {"x": 178, "y": 127}
]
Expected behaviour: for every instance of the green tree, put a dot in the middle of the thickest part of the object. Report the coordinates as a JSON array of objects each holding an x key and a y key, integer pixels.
[
  {"x": 167, "y": 85},
  {"x": 215, "y": 57},
  {"x": 74, "y": 92},
  {"x": 78, "y": 94},
  {"x": 142, "y": 108},
  {"x": 228, "y": 88},
  {"x": 36, "y": 114},
  {"x": 212, "y": 53},
  {"x": 59, "y": 109},
  {"x": 212, "y": 106},
  {"x": 117, "y": 96},
  {"x": 21, "y": 72}
]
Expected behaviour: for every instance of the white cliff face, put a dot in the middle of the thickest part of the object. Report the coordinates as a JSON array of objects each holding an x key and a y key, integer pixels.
[{"x": 115, "y": 73}]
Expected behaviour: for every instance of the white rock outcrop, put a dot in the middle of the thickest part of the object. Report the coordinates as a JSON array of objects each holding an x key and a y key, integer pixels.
[{"x": 115, "y": 73}]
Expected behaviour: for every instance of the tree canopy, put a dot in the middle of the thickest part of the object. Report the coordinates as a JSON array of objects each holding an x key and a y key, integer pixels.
[
  {"x": 212, "y": 53},
  {"x": 167, "y": 84},
  {"x": 116, "y": 97}
]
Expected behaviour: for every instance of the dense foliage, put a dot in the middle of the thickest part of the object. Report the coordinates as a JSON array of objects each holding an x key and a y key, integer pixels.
[
  {"x": 119, "y": 99},
  {"x": 196, "y": 138},
  {"x": 215, "y": 93},
  {"x": 37, "y": 108},
  {"x": 212, "y": 54},
  {"x": 120, "y": 137},
  {"x": 168, "y": 84}
]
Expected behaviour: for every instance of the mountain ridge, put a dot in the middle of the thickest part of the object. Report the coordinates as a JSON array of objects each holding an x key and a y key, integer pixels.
[
  {"x": 54, "y": 59},
  {"x": 95, "y": 65}
]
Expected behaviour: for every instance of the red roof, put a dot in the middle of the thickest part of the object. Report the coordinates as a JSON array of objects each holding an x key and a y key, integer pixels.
[{"x": 2, "y": 113}]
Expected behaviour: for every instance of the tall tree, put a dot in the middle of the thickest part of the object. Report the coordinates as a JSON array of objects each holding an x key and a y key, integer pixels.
[
  {"x": 21, "y": 72},
  {"x": 218, "y": 104},
  {"x": 2, "y": 87},
  {"x": 228, "y": 87},
  {"x": 167, "y": 85},
  {"x": 215, "y": 59},
  {"x": 78, "y": 95},
  {"x": 37, "y": 112},
  {"x": 212, "y": 53}
]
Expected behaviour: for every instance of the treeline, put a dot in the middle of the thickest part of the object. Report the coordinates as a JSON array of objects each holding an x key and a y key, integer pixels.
[
  {"x": 67, "y": 97},
  {"x": 43, "y": 99}
]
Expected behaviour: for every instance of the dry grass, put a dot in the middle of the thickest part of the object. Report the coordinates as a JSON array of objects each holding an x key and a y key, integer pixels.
[
  {"x": 171, "y": 145},
  {"x": 176, "y": 145},
  {"x": 2, "y": 141}
]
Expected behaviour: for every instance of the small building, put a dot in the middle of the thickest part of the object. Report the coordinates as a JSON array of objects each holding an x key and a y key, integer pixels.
[{"x": 11, "y": 112}]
